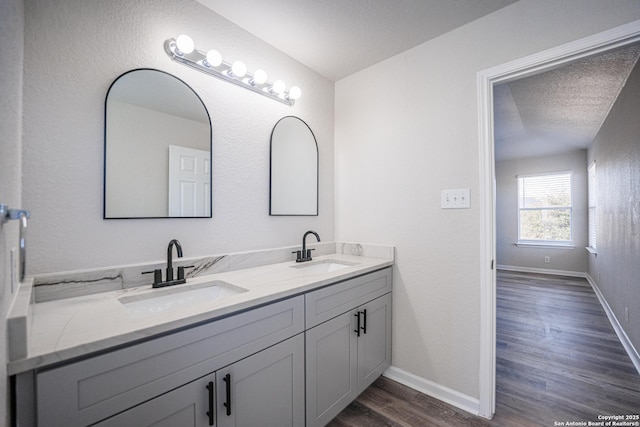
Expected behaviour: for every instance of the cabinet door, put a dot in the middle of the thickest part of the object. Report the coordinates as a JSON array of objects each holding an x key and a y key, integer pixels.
[
  {"x": 266, "y": 389},
  {"x": 186, "y": 406},
  {"x": 332, "y": 376},
  {"x": 374, "y": 343}
]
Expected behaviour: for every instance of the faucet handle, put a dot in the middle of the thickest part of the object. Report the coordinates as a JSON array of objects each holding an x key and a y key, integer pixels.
[
  {"x": 309, "y": 254},
  {"x": 298, "y": 255},
  {"x": 157, "y": 275},
  {"x": 181, "y": 271}
]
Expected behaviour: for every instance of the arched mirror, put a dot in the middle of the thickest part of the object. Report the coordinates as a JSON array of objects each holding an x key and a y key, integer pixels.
[
  {"x": 294, "y": 169},
  {"x": 157, "y": 148}
]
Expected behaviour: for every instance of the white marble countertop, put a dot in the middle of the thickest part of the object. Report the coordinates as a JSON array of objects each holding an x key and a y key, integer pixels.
[{"x": 64, "y": 329}]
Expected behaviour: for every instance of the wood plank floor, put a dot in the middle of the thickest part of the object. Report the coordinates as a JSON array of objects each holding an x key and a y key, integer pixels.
[{"x": 558, "y": 360}]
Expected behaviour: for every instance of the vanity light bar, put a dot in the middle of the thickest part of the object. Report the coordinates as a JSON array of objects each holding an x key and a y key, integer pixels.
[{"x": 182, "y": 49}]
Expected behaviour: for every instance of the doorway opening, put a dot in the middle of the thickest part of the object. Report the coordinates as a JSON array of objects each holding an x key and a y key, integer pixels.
[{"x": 487, "y": 80}]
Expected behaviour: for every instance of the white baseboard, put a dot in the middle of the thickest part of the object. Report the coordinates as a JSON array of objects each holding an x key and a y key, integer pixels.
[
  {"x": 440, "y": 392},
  {"x": 622, "y": 335},
  {"x": 542, "y": 271}
]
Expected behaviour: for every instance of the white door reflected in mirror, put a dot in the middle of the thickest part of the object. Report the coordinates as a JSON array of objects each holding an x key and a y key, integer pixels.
[{"x": 189, "y": 182}]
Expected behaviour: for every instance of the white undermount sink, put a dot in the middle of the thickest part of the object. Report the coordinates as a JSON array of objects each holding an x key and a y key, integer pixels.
[
  {"x": 323, "y": 266},
  {"x": 173, "y": 297}
]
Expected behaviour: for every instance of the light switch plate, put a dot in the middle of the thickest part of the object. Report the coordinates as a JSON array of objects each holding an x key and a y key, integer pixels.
[{"x": 455, "y": 199}]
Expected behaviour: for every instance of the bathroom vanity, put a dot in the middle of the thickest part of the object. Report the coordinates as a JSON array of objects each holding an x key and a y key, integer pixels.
[{"x": 293, "y": 345}]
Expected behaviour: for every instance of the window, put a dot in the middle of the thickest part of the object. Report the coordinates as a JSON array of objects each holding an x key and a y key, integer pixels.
[
  {"x": 544, "y": 208},
  {"x": 592, "y": 206}
]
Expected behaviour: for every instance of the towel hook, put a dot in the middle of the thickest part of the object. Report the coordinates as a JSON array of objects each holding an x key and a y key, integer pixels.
[{"x": 21, "y": 215}]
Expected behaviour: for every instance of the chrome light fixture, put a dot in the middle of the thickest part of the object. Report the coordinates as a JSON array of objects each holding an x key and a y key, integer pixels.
[{"x": 182, "y": 49}]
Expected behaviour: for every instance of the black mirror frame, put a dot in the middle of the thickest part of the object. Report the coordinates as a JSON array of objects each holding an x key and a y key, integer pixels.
[
  {"x": 317, "y": 169},
  {"x": 104, "y": 176}
]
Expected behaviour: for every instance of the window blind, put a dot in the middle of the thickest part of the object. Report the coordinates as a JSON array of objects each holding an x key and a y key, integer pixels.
[{"x": 544, "y": 203}]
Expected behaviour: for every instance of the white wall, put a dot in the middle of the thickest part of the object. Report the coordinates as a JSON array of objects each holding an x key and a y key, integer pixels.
[
  {"x": 407, "y": 128},
  {"x": 616, "y": 151},
  {"x": 507, "y": 254},
  {"x": 73, "y": 51},
  {"x": 11, "y": 62}
]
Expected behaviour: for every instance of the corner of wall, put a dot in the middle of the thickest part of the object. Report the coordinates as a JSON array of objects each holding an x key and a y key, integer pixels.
[{"x": 11, "y": 39}]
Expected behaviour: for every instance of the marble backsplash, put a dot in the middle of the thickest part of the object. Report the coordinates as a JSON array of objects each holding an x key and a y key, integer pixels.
[{"x": 70, "y": 284}]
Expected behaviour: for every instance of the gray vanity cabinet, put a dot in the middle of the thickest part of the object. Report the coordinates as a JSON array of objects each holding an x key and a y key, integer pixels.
[
  {"x": 264, "y": 389},
  {"x": 346, "y": 353},
  {"x": 94, "y": 389},
  {"x": 293, "y": 362}
]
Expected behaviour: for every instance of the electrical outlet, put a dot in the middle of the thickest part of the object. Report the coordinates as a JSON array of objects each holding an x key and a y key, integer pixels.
[
  {"x": 547, "y": 260},
  {"x": 626, "y": 314},
  {"x": 455, "y": 199},
  {"x": 598, "y": 277}
]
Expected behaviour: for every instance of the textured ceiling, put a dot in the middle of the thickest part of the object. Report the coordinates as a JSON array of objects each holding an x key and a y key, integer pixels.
[
  {"x": 559, "y": 110},
  {"x": 337, "y": 38}
]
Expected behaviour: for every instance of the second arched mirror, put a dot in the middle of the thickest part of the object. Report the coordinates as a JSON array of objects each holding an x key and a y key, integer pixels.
[{"x": 294, "y": 168}]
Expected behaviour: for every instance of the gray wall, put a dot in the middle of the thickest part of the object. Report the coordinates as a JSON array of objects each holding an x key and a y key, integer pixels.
[
  {"x": 507, "y": 254},
  {"x": 616, "y": 151},
  {"x": 11, "y": 64}
]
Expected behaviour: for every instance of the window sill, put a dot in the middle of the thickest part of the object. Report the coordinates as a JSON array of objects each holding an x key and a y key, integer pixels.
[
  {"x": 591, "y": 250},
  {"x": 545, "y": 245}
]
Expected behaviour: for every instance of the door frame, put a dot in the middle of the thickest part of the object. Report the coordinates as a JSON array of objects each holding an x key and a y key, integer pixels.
[{"x": 486, "y": 79}]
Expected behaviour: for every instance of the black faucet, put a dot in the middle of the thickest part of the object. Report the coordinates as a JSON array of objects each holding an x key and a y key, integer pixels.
[
  {"x": 305, "y": 254},
  {"x": 157, "y": 274},
  {"x": 172, "y": 243}
]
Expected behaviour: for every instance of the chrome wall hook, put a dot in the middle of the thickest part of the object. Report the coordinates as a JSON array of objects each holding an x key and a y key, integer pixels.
[
  {"x": 6, "y": 213},
  {"x": 21, "y": 215}
]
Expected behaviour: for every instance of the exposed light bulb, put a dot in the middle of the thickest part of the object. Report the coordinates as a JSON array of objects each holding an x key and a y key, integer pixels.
[
  {"x": 185, "y": 44},
  {"x": 294, "y": 93},
  {"x": 213, "y": 58},
  {"x": 238, "y": 69},
  {"x": 278, "y": 87},
  {"x": 183, "y": 50},
  {"x": 259, "y": 78}
]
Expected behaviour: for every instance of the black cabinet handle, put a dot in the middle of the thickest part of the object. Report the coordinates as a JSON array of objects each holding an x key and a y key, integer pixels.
[
  {"x": 227, "y": 404},
  {"x": 357, "y": 329},
  {"x": 364, "y": 313},
  {"x": 210, "y": 411}
]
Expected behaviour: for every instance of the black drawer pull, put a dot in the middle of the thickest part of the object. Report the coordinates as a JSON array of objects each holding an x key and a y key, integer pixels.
[
  {"x": 227, "y": 404},
  {"x": 210, "y": 411},
  {"x": 357, "y": 329},
  {"x": 364, "y": 328}
]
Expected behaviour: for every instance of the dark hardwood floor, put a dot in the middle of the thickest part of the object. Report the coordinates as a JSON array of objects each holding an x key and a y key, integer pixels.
[{"x": 558, "y": 360}]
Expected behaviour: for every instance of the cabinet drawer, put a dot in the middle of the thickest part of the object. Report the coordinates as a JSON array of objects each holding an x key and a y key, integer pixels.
[
  {"x": 186, "y": 406},
  {"x": 93, "y": 389},
  {"x": 329, "y": 302}
]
